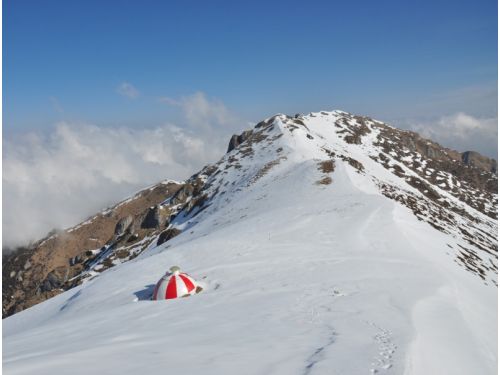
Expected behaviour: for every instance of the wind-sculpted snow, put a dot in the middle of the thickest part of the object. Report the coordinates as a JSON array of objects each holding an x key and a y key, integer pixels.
[{"x": 319, "y": 252}]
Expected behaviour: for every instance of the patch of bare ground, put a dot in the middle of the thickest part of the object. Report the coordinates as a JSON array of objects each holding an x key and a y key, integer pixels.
[
  {"x": 326, "y": 166},
  {"x": 324, "y": 181}
]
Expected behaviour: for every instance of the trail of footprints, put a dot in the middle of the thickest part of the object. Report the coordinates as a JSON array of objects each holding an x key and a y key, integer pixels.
[{"x": 383, "y": 361}]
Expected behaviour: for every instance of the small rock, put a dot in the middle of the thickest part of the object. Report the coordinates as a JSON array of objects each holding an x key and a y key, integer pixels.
[
  {"x": 133, "y": 237},
  {"x": 55, "y": 279},
  {"x": 167, "y": 235}
]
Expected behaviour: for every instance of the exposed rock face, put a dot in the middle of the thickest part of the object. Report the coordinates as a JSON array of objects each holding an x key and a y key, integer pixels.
[
  {"x": 123, "y": 224},
  {"x": 236, "y": 140},
  {"x": 155, "y": 218}
]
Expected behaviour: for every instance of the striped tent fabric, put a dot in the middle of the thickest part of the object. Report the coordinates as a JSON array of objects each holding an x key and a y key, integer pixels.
[{"x": 173, "y": 285}]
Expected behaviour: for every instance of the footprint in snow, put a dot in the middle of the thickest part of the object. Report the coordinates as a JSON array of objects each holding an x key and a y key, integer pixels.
[{"x": 383, "y": 338}]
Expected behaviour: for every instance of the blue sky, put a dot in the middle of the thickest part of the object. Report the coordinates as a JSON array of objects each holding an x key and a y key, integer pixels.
[{"x": 390, "y": 59}]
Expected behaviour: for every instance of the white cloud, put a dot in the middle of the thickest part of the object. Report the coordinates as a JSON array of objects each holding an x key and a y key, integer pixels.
[
  {"x": 58, "y": 179},
  {"x": 128, "y": 90},
  {"x": 201, "y": 111},
  {"x": 462, "y": 132},
  {"x": 169, "y": 101}
]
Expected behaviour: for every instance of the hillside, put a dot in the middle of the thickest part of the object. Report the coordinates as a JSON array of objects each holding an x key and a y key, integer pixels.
[{"x": 325, "y": 242}]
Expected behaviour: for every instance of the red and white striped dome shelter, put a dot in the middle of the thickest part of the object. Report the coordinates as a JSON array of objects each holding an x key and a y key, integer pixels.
[{"x": 173, "y": 285}]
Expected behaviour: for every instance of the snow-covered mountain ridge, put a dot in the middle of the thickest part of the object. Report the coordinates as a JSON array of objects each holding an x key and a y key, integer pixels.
[
  {"x": 454, "y": 198},
  {"x": 326, "y": 243}
]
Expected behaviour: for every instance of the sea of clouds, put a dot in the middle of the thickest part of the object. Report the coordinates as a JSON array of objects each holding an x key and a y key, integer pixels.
[{"x": 58, "y": 178}]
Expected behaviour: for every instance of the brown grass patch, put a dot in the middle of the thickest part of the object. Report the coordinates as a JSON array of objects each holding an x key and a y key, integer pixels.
[
  {"x": 327, "y": 166},
  {"x": 324, "y": 181},
  {"x": 263, "y": 171}
]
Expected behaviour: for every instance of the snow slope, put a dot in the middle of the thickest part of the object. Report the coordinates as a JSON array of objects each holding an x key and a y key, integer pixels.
[{"x": 300, "y": 277}]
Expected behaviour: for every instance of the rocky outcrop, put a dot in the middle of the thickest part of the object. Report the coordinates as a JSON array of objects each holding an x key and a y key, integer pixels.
[
  {"x": 167, "y": 235},
  {"x": 432, "y": 150},
  {"x": 81, "y": 258},
  {"x": 190, "y": 189},
  {"x": 155, "y": 218},
  {"x": 236, "y": 140},
  {"x": 55, "y": 279},
  {"x": 123, "y": 225}
]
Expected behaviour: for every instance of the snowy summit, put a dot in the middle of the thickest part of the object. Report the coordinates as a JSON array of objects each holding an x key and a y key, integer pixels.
[{"x": 325, "y": 243}]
